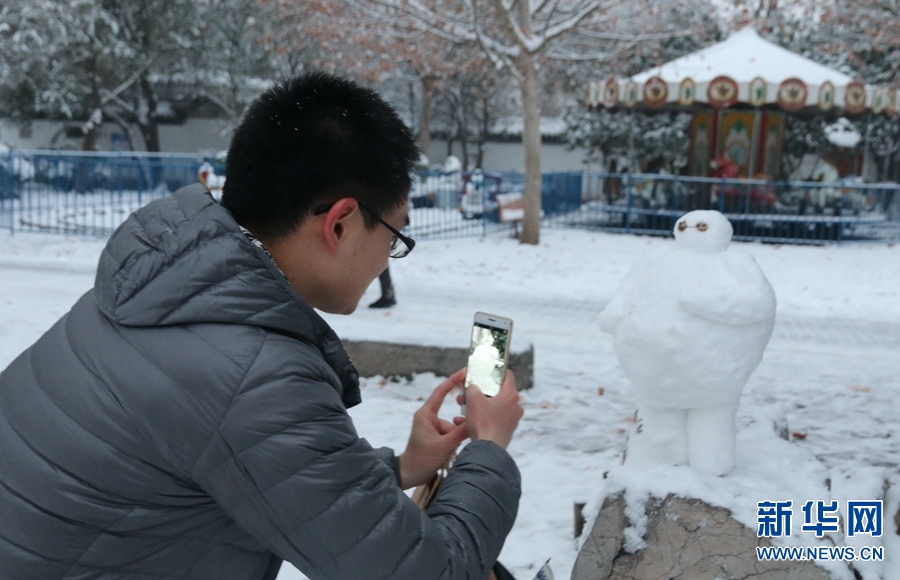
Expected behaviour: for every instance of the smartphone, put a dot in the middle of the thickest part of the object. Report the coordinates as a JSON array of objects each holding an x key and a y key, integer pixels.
[{"x": 488, "y": 352}]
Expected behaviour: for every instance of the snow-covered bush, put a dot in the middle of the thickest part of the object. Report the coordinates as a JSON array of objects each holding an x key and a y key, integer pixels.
[
  {"x": 661, "y": 141},
  {"x": 21, "y": 168}
]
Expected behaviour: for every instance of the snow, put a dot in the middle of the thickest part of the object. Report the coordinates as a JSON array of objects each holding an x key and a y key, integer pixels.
[
  {"x": 843, "y": 134},
  {"x": 515, "y": 125},
  {"x": 743, "y": 56},
  {"x": 21, "y": 168},
  {"x": 830, "y": 375}
]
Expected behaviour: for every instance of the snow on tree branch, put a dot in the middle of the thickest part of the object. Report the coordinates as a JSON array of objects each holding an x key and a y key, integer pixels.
[{"x": 573, "y": 21}]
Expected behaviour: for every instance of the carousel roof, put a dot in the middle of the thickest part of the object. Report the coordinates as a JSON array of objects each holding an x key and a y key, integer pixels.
[
  {"x": 744, "y": 56},
  {"x": 744, "y": 68}
]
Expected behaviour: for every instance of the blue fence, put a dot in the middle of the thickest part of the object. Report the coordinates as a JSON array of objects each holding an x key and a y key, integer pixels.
[
  {"x": 782, "y": 212},
  {"x": 91, "y": 194},
  {"x": 86, "y": 193}
]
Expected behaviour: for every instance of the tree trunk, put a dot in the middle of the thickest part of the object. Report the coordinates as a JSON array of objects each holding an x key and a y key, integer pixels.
[
  {"x": 89, "y": 142},
  {"x": 150, "y": 125},
  {"x": 531, "y": 139},
  {"x": 425, "y": 115},
  {"x": 462, "y": 131},
  {"x": 93, "y": 125},
  {"x": 464, "y": 141},
  {"x": 483, "y": 133}
]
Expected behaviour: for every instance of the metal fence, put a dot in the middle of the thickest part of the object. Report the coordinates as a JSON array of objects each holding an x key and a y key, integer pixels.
[
  {"x": 86, "y": 193},
  {"x": 91, "y": 194},
  {"x": 784, "y": 212},
  {"x": 781, "y": 212}
]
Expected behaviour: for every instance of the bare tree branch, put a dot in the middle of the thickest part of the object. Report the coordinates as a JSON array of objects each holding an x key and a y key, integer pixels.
[
  {"x": 125, "y": 85},
  {"x": 570, "y": 23}
]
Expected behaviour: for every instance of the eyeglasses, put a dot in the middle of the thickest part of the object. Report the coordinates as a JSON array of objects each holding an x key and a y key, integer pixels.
[{"x": 401, "y": 245}]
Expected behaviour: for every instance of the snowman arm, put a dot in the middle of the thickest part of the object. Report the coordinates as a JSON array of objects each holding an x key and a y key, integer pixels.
[{"x": 744, "y": 297}]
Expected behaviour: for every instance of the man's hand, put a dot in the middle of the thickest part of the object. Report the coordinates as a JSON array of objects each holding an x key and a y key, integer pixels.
[
  {"x": 494, "y": 418},
  {"x": 432, "y": 439}
]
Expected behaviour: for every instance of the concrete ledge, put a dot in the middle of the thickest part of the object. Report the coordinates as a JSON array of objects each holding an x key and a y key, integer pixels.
[
  {"x": 687, "y": 539},
  {"x": 388, "y": 359}
]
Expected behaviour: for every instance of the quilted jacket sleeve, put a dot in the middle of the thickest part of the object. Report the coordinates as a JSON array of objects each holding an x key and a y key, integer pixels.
[
  {"x": 288, "y": 467},
  {"x": 387, "y": 455}
]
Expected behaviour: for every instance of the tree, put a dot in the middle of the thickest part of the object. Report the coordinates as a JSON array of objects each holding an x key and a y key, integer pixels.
[
  {"x": 655, "y": 141},
  {"x": 233, "y": 65},
  {"x": 867, "y": 33},
  {"x": 521, "y": 36},
  {"x": 801, "y": 136},
  {"x": 660, "y": 141},
  {"x": 386, "y": 48},
  {"x": 858, "y": 38},
  {"x": 163, "y": 35},
  {"x": 470, "y": 105},
  {"x": 107, "y": 60},
  {"x": 75, "y": 59}
]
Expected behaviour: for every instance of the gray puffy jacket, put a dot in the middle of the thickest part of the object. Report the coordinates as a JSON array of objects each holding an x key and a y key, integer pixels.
[{"x": 187, "y": 419}]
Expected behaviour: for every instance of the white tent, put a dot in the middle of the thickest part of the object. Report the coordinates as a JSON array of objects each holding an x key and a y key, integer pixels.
[{"x": 745, "y": 68}]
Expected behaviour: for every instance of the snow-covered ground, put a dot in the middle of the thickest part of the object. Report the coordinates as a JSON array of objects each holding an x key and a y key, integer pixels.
[{"x": 831, "y": 370}]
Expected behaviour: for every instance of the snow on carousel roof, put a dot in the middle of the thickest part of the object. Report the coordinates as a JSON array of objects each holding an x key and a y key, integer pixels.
[
  {"x": 743, "y": 56},
  {"x": 748, "y": 69}
]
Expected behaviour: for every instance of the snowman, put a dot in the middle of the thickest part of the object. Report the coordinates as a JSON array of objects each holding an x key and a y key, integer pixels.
[
  {"x": 690, "y": 322},
  {"x": 483, "y": 367}
]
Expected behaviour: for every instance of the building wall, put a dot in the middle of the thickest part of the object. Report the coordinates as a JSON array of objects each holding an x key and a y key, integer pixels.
[
  {"x": 213, "y": 135},
  {"x": 504, "y": 156},
  {"x": 194, "y": 136},
  {"x": 44, "y": 135}
]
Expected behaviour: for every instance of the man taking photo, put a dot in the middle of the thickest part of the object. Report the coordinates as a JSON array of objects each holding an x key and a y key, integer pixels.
[{"x": 188, "y": 417}]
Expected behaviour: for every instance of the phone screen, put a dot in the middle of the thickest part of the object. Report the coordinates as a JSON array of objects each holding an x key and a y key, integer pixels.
[{"x": 486, "y": 358}]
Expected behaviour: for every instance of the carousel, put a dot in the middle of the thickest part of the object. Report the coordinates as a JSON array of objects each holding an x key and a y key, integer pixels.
[{"x": 738, "y": 92}]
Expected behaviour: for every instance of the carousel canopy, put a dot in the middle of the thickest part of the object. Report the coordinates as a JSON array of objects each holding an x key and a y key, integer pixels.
[{"x": 745, "y": 68}]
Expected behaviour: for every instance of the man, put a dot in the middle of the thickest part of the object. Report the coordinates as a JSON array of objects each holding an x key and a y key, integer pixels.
[{"x": 187, "y": 418}]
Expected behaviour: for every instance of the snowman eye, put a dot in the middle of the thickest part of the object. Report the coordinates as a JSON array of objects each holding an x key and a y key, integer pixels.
[
  {"x": 682, "y": 226},
  {"x": 702, "y": 226}
]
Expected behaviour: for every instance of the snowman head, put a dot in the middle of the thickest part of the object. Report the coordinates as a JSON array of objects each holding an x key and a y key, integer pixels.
[{"x": 705, "y": 231}]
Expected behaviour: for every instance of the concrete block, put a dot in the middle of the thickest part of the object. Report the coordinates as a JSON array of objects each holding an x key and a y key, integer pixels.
[{"x": 387, "y": 359}]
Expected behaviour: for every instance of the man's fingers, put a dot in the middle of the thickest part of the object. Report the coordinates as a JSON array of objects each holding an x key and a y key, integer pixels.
[
  {"x": 459, "y": 434},
  {"x": 437, "y": 396},
  {"x": 458, "y": 377}
]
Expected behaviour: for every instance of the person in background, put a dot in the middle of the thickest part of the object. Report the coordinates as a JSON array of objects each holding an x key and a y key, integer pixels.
[{"x": 388, "y": 298}]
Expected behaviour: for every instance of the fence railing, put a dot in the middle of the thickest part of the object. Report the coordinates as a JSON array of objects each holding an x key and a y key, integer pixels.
[
  {"x": 91, "y": 194},
  {"x": 86, "y": 193},
  {"x": 792, "y": 212},
  {"x": 784, "y": 212}
]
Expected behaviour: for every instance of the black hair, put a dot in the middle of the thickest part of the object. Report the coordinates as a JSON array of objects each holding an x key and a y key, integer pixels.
[{"x": 314, "y": 139}]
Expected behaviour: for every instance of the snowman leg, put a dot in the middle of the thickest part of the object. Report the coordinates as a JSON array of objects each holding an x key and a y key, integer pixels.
[
  {"x": 660, "y": 437},
  {"x": 710, "y": 435}
]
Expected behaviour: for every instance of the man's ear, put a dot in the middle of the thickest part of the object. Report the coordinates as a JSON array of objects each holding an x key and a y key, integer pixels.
[{"x": 335, "y": 226}]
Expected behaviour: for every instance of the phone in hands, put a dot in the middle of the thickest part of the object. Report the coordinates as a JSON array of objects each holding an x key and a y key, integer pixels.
[{"x": 488, "y": 353}]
